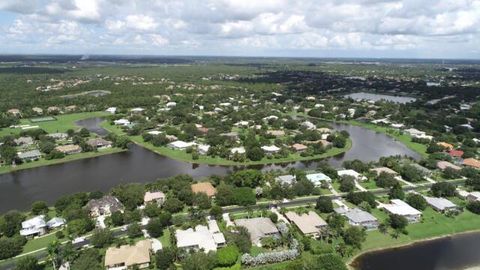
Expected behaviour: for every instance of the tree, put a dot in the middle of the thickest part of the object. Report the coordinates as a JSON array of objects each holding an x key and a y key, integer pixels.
[
  {"x": 101, "y": 238},
  {"x": 199, "y": 261},
  {"x": 347, "y": 184},
  {"x": 385, "y": 180},
  {"x": 53, "y": 250},
  {"x": 173, "y": 205},
  {"x": 225, "y": 195},
  {"x": 443, "y": 189},
  {"x": 244, "y": 196},
  {"x": 474, "y": 207},
  {"x": 246, "y": 178},
  {"x": 411, "y": 173},
  {"x": 202, "y": 200},
  {"x": 324, "y": 204},
  {"x": 10, "y": 247},
  {"x": 27, "y": 263},
  {"x": 273, "y": 217},
  {"x": 359, "y": 197},
  {"x": 417, "y": 201},
  {"x": 227, "y": 256},
  {"x": 117, "y": 218},
  {"x": 329, "y": 262},
  {"x": 217, "y": 212},
  {"x": 134, "y": 230},
  {"x": 155, "y": 227},
  {"x": 354, "y": 236},
  {"x": 165, "y": 258},
  {"x": 241, "y": 239},
  {"x": 255, "y": 153},
  {"x": 131, "y": 195},
  {"x": 397, "y": 222},
  {"x": 396, "y": 192},
  {"x": 336, "y": 223},
  {"x": 80, "y": 226},
  {"x": 39, "y": 207},
  {"x": 11, "y": 223},
  {"x": 89, "y": 259}
]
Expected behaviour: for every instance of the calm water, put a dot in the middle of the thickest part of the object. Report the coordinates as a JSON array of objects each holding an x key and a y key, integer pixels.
[
  {"x": 377, "y": 97},
  {"x": 450, "y": 253},
  {"x": 19, "y": 189}
]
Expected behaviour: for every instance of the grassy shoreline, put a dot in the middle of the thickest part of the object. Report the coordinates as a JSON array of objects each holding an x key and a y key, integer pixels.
[{"x": 42, "y": 162}]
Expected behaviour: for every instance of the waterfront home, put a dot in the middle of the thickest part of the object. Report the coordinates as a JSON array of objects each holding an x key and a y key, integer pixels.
[
  {"x": 111, "y": 110},
  {"x": 56, "y": 222},
  {"x": 415, "y": 133},
  {"x": 442, "y": 165},
  {"x": 473, "y": 196},
  {"x": 380, "y": 170},
  {"x": 401, "y": 208},
  {"x": 137, "y": 110},
  {"x": 181, "y": 145},
  {"x": 121, "y": 122},
  {"x": 203, "y": 149},
  {"x": 298, "y": 147},
  {"x": 358, "y": 217},
  {"x": 171, "y": 104},
  {"x": 422, "y": 169},
  {"x": 69, "y": 149},
  {"x": 14, "y": 112},
  {"x": 157, "y": 197},
  {"x": 441, "y": 204},
  {"x": 471, "y": 162},
  {"x": 99, "y": 143},
  {"x": 238, "y": 150},
  {"x": 104, "y": 206},
  {"x": 204, "y": 187},
  {"x": 270, "y": 149},
  {"x": 29, "y": 155},
  {"x": 462, "y": 194},
  {"x": 23, "y": 141},
  {"x": 154, "y": 132},
  {"x": 206, "y": 238},
  {"x": 34, "y": 227},
  {"x": 129, "y": 257},
  {"x": 318, "y": 178},
  {"x": 53, "y": 109},
  {"x": 310, "y": 224},
  {"x": 285, "y": 179},
  {"x": 258, "y": 228},
  {"x": 357, "y": 176}
]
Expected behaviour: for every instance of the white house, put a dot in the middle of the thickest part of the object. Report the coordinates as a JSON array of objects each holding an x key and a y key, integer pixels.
[
  {"x": 308, "y": 125},
  {"x": 352, "y": 173},
  {"x": 318, "y": 178},
  {"x": 122, "y": 122},
  {"x": 111, "y": 110},
  {"x": 56, "y": 222},
  {"x": 34, "y": 226},
  {"x": 171, "y": 104},
  {"x": 203, "y": 148},
  {"x": 401, "y": 208},
  {"x": 181, "y": 145},
  {"x": 239, "y": 150},
  {"x": 201, "y": 238},
  {"x": 270, "y": 149}
]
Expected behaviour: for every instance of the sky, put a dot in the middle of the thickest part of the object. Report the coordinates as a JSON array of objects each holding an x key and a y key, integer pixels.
[{"x": 299, "y": 28}]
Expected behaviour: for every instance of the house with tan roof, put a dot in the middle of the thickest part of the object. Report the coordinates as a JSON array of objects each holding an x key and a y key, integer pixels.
[
  {"x": 310, "y": 224},
  {"x": 298, "y": 147},
  {"x": 442, "y": 165},
  {"x": 446, "y": 146},
  {"x": 204, "y": 187},
  {"x": 126, "y": 257},
  {"x": 69, "y": 149},
  {"x": 386, "y": 170},
  {"x": 471, "y": 162},
  {"x": 158, "y": 197}
]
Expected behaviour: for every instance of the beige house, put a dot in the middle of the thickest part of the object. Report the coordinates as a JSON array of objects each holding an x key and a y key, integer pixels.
[
  {"x": 126, "y": 257},
  {"x": 158, "y": 197},
  {"x": 69, "y": 149},
  {"x": 310, "y": 224},
  {"x": 204, "y": 187}
]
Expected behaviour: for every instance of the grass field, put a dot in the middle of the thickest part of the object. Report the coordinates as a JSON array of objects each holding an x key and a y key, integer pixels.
[{"x": 62, "y": 124}]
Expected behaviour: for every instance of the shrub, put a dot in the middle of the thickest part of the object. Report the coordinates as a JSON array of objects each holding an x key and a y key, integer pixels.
[
  {"x": 474, "y": 207},
  {"x": 227, "y": 256}
]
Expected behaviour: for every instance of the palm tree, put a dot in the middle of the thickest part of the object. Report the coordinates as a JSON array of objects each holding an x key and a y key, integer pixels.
[{"x": 53, "y": 250}]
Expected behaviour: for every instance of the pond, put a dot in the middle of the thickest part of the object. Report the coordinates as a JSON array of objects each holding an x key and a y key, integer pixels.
[
  {"x": 456, "y": 252},
  {"x": 377, "y": 97},
  {"x": 18, "y": 190}
]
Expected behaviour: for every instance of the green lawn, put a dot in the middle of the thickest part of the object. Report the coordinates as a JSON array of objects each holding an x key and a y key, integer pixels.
[
  {"x": 186, "y": 157},
  {"x": 369, "y": 184},
  {"x": 38, "y": 243},
  {"x": 165, "y": 239},
  {"x": 62, "y": 124}
]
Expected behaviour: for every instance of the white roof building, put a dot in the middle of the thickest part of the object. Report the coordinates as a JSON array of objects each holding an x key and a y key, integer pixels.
[
  {"x": 56, "y": 222},
  {"x": 33, "y": 226},
  {"x": 111, "y": 110},
  {"x": 440, "y": 204},
  {"x": 239, "y": 150},
  {"x": 285, "y": 179},
  {"x": 258, "y": 228},
  {"x": 352, "y": 173},
  {"x": 122, "y": 122},
  {"x": 171, "y": 104},
  {"x": 154, "y": 132},
  {"x": 401, "y": 208},
  {"x": 318, "y": 178},
  {"x": 308, "y": 125},
  {"x": 137, "y": 110},
  {"x": 181, "y": 145},
  {"x": 202, "y": 237},
  {"x": 270, "y": 149},
  {"x": 203, "y": 148}
]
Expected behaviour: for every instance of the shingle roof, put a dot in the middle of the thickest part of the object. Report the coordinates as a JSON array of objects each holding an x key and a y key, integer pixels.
[{"x": 129, "y": 255}]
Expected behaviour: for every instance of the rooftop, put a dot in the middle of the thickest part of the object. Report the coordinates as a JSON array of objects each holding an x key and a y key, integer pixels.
[
  {"x": 129, "y": 255},
  {"x": 307, "y": 223}
]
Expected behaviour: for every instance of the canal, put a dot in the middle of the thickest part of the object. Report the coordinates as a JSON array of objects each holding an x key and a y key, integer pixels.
[{"x": 18, "y": 190}]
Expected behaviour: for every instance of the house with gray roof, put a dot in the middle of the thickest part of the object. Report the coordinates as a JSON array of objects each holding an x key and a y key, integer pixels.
[
  {"x": 104, "y": 206},
  {"x": 29, "y": 155},
  {"x": 285, "y": 179},
  {"x": 441, "y": 204},
  {"x": 359, "y": 217},
  {"x": 23, "y": 141}
]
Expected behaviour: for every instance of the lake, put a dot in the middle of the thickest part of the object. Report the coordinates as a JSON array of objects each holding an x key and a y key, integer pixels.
[
  {"x": 449, "y": 253},
  {"x": 18, "y": 190},
  {"x": 377, "y": 97}
]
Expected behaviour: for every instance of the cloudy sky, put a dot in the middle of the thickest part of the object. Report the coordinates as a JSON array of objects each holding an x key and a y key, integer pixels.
[{"x": 317, "y": 28}]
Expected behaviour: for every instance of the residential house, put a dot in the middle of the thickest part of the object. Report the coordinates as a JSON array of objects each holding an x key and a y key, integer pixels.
[
  {"x": 230, "y": 135},
  {"x": 441, "y": 204},
  {"x": 276, "y": 133},
  {"x": 69, "y": 149},
  {"x": 387, "y": 170},
  {"x": 121, "y": 122},
  {"x": 29, "y": 155},
  {"x": 401, "y": 208},
  {"x": 181, "y": 145},
  {"x": 37, "y": 110},
  {"x": 358, "y": 217},
  {"x": 58, "y": 136},
  {"x": 53, "y": 109},
  {"x": 157, "y": 197},
  {"x": 285, "y": 179},
  {"x": 298, "y": 147},
  {"x": 171, "y": 104},
  {"x": 206, "y": 238},
  {"x": 99, "y": 143},
  {"x": 357, "y": 176},
  {"x": 308, "y": 125},
  {"x": 128, "y": 257},
  {"x": 14, "y": 112},
  {"x": 442, "y": 165},
  {"x": 258, "y": 228},
  {"x": 310, "y": 224},
  {"x": 270, "y": 149},
  {"x": 422, "y": 169},
  {"x": 445, "y": 145},
  {"x": 238, "y": 150},
  {"x": 455, "y": 153},
  {"x": 471, "y": 162},
  {"x": 34, "y": 227},
  {"x": 56, "y": 222},
  {"x": 137, "y": 110},
  {"x": 318, "y": 178},
  {"x": 204, "y": 187},
  {"x": 203, "y": 149},
  {"x": 104, "y": 206},
  {"x": 111, "y": 110},
  {"x": 23, "y": 141},
  {"x": 473, "y": 196}
]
